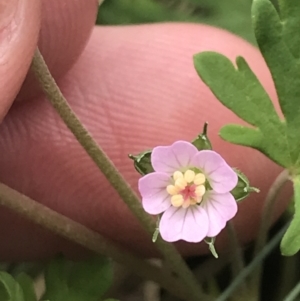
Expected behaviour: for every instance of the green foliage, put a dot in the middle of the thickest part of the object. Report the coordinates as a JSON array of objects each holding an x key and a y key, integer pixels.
[
  {"x": 65, "y": 281},
  {"x": 142, "y": 162},
  {"x": 240, "y": 91},
  {"x": 281, "y": 52},
  {"x": 290, "y": 243},
  {"x": 26, "y": 284},
  {"x": 243, "y": 188},
  {"x": 237, "y": 87},
  {"x": 202, "y": 142},
  {"x": 9, "y": 288},
  {"x": 77, "y": 281},
  {"x": 19, "y": 289},
  {"x": 233, "y": 15}
]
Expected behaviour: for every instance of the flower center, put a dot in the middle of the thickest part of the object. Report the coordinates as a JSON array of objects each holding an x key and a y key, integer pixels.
[{"x": 188, "y": 188}]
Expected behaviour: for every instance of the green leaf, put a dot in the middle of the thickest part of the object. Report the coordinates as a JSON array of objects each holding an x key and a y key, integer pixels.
[
  {"x": 211, "y": 246},
  {"x": 92, "y": 277},
  {"x": 142, "y": 162},
  {"x": 156, "y": 231},
  {"x": 4, "y": 293},
  {"x": 10, "y": 289},
  {"x": 78, "y": 281},
  {"x": 243, "y": 188},
  {"x": 245, "y": 136},
  {"x": 290, "y": 12},
  {"x": 282, "y": 57},
  {"x": 290, "y": 243},
  {"x": 240, "y": 91},
  {"x": 26, "y": 284},
  {"x": 202, "y": 142}
]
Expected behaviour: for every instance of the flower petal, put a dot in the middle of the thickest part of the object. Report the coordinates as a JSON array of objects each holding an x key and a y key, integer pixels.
[
  {"x": 189, "y": 224},
  {"x": 220, "y": 208},
  {"x": 168, "y": 159},
  {"x": 154, "y": 194},
  {"x": 220, "y": 175}
]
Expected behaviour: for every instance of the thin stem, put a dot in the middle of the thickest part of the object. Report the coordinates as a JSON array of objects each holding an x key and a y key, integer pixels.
[
  {"x": 60, "y": 104},
  {"x": 289, "y": 275},
  {"x": 237, "y": 259},
  {"x": 293, "y": 294},
  {"x": 266, "y": 219},
  {"x": 75, "y": 232},
  {"x": 236, "y": 252},
  {"x": 253, "y": 265}
]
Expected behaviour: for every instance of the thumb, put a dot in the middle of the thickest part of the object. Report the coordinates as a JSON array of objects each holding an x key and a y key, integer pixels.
[{"x": 19, "y": 29}]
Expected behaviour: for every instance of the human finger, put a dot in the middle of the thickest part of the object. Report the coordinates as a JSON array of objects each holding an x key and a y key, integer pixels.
[{"x": 133, "y": 88}]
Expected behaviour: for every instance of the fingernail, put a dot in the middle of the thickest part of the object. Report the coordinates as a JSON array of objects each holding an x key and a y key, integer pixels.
[{"x": 8, "y": 9}]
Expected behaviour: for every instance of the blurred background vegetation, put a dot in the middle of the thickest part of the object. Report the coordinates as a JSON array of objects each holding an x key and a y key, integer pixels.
[{"x": 232, "y": 15}]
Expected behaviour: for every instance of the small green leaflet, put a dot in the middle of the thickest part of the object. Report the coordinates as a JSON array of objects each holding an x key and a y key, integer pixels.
[
  {"x": 237, "y": 87},
  {"x": 202, "y": 142},
  {"x": 156, "y": 231},
  {"x": 211, "y": 246},
  {"x": 19, "y": 289},
  {"x": 142, "y": 162},
  {"x": 243, "y": 188}
]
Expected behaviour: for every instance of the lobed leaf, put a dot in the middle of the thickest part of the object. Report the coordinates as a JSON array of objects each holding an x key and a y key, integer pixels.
[
  {"x": 240, "y": 91},
  {"x": 270, "y": 33}
]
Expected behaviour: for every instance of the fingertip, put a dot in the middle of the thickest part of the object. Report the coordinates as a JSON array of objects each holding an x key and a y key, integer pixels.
[
  {"x": 65, "y": 29},
  {"x": 19, "y": 29}
]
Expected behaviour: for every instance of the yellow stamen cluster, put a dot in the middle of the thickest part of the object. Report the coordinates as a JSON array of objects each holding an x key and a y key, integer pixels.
[{"x": 188, "y": 188}]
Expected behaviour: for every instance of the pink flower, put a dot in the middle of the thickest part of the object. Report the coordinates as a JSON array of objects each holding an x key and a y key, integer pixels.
[{"x": 192, "y": 190}]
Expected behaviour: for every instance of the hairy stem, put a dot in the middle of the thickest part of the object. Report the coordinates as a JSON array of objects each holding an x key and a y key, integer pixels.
[
  {"x": 75, "y": 232},
  {"x": 266, "y": 219},
  {"x": 96, "y": 153}
]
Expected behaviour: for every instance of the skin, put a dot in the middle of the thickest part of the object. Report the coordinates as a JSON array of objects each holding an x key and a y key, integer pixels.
[{"x": 133, "y": 87}]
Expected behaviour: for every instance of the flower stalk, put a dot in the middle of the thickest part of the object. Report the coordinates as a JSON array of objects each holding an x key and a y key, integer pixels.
[
  {"x": 60, "y": 104},
  {"x": 266, "y": 218},
  {"x": 77, "y": 233}
]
